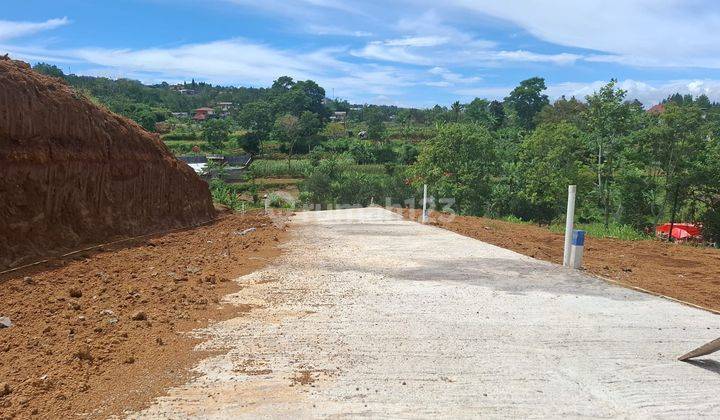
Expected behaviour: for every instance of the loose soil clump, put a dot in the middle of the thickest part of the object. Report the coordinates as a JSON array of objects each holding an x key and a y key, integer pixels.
[
  {"x": 106, "y": 332},
  {"x": 690, "y": 274}
]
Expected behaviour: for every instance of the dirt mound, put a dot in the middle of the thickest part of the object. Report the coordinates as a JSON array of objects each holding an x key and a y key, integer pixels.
[{"x": 73, "y": 173}]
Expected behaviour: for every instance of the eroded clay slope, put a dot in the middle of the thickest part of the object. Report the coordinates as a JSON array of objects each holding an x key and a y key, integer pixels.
[{"x": 73, "y": 173}]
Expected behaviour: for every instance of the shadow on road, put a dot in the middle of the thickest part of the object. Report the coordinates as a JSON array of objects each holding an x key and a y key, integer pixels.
[{"x": 707, "y": 364}]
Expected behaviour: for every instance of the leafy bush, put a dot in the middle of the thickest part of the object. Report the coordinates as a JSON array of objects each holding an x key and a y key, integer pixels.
[
  {"x": 339, "y": 182},
  {"x": 225, "y": 194},
  {"x": 278, "y": 201}
]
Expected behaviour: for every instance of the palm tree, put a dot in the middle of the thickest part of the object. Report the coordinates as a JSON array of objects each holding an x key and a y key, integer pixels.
[{"x": 456, "y": 108}]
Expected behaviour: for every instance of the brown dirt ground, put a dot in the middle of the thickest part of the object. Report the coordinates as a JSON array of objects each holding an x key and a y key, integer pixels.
[
  {"x": 67, "y": 355},
  {"x": 687, "y": 273}
]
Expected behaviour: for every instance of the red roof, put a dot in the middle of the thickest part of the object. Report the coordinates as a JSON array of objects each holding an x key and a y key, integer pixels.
[{"x": 657, "y": 109}]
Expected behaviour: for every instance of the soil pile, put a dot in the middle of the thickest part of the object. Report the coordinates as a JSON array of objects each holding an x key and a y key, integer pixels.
[
  {"x": 73, "y": 173},
  {"x": 683, "y": 272},
  {"x": 104, "y": 333}
]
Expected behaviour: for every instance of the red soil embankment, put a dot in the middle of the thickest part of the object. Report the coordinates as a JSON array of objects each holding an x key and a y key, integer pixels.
[{"x": 73, "y": 173}]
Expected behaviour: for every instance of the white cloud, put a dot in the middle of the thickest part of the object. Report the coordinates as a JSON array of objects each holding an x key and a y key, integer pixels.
[
  {"x": 654, "y": 33},
  {"x": 321, "y": 29},
  {"x": 450, "y": 78},
  {"x": 13, "y": 29},
  {"x": 234, "y": 61},
  {"x": 418, "y": 41},
  {"x": 638, "y": 33},
  {"x": 428, "y": 40},
  {"x": 297, "y": 7},
  {"x": 378, "y": 50},
  {"x": 531, "y": 57}
]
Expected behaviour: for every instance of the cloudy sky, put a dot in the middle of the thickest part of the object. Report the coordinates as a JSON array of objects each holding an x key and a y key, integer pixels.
[{"x": 416, "y": 53}]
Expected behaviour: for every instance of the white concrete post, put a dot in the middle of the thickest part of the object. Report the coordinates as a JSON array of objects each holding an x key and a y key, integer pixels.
[
  {"x": 267, "y": 204},
  {"x": 569, "y": 220},
  {"x": 424, "y": 213}
]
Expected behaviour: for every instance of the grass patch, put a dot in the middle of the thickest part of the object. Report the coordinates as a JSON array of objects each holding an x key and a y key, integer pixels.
[
  {"x": 191, "y": 143},
  {"x": 184, "y": 147},
  {"x": 598, "y": 230},
  {"x": 279, "y": 168}
]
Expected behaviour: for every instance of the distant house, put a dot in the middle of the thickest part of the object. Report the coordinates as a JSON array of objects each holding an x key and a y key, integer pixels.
[
  {"x": 657, "y": 109},
  {"x": 224, "y": 106},
  {"x": 338, "y": 116},
  {"x": 233, "y": 167},
  {"x": 202, "y": 114},
  {"x": 179, "y": 114},
  {"x": 188, "y": 92}
]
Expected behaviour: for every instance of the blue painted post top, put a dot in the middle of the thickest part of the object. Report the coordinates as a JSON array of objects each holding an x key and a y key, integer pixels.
[{"x": 578, "y": 238}]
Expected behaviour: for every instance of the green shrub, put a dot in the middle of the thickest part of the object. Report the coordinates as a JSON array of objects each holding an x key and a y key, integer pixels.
[
  {"x": 226, "y": 194},
  {"x": 278, "y": 201}
]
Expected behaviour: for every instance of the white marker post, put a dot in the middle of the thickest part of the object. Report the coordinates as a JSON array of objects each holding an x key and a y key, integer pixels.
[
  {"x": 569, "y": 221},
  {"x": 424, "y": 213},
  {"x": 576, "y": 249}
]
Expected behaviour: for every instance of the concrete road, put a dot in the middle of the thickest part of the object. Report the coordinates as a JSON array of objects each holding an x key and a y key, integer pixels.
[{"x": 369, "y": 315}]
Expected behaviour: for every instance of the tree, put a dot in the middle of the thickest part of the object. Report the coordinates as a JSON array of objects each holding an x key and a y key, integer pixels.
[
  {"x": 609, "y": 119},
  {"x": 334, "y": 130},
  {"x": 309, "y": 124},
  {"x": 683, "y": 141},
  {"x": 375, "y": 123},
  {"x": 49, "y": 70},
  {"x": 551, "y": 158},
  {"x": 456, "y": 110},
  {"x": 250, "y": 142},
  {"x": 527, "y": 100},
  {"x": 257, "y": 116},
  {"x": 287, "y": 131},
  {"x": 314, "y": 96},
  {"x": 477, "y": 111},
  {"x": 497, "y": 115},
  {"x": 570, "y": 110},
  {"x": 283, "y": 83},
  {"x": 215, "y": 132},
  {"x": 458, "y": 164}
]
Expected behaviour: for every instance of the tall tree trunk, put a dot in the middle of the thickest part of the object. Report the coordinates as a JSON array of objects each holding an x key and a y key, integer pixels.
[
  {"x": 606, "y": 204},
  {"x": 674, "y": 210},
  {"x": 599, "y": 166}
]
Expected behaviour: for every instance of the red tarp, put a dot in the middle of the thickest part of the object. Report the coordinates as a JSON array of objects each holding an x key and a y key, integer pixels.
[{"x": 680, "y": 230}]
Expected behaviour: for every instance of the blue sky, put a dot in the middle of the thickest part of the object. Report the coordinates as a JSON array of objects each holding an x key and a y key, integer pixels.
[{"x": 415, "y": 53}]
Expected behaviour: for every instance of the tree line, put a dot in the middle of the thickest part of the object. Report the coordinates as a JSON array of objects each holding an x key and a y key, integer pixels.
[
  {"x": 631, "y": 165},
  {"x": 510, "y": 157}
]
